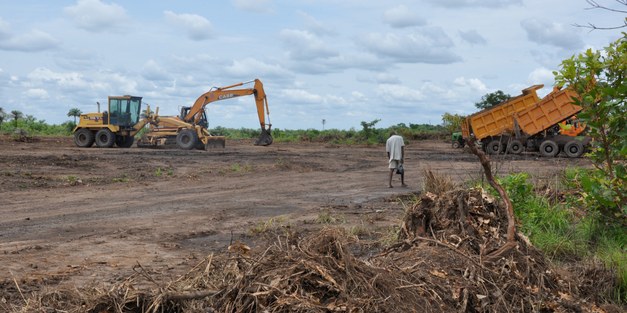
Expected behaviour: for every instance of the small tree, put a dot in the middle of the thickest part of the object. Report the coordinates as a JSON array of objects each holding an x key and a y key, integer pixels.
[
  {"x": 452, "y": 122},
  {"x": 75, "y": 112},
  {"x": 600, "y": 80},
  {"x": 16, "y": 115},
  {"x": 491, "y": 99},
  {"x": 368, "y": 127},
  {"x": 2, "y": 116}
]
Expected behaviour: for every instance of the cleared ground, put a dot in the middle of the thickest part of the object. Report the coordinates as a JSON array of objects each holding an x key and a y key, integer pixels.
[{"x": 77, "y": 216}]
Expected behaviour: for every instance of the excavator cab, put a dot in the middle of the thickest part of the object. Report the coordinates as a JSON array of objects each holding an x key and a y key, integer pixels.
[
  {"x": 204, "y": 122},
  {"x": 124, "y": 111}
]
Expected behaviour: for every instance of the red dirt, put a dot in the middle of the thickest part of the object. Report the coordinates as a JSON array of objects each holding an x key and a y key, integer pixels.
[{"x": 76, "y": 216}]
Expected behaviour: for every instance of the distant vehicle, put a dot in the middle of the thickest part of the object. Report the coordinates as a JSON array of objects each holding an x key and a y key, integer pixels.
[{"x": 527, "y": 122}]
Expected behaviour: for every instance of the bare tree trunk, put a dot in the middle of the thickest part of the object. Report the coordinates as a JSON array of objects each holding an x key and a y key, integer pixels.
[{"x": 509, "y": 209}]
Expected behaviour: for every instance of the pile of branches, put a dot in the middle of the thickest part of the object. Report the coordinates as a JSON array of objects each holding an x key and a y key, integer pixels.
[
  {"x": 438, "y": 264},
  {"x": 459, "y": 230}
]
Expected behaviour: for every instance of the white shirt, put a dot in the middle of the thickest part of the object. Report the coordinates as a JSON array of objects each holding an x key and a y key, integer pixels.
[{"x": 394, "y": 146}]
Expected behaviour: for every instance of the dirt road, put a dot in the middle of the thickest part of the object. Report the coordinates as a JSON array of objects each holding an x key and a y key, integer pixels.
[{"x": 85, "y": 215}]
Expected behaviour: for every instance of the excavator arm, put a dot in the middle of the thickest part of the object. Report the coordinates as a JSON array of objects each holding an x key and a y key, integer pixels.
[{"x": 194, "y": 114}]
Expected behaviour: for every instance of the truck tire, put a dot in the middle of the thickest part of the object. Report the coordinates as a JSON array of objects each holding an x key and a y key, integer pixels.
[
  {"x": 573, "y": 149},
  {"x": 124, "y": 141},
  {"x": 494, "y": 147},
  {"x": 84, "y": 138},
  {"x": 549, "y": 148},
  {"x": 515, "y": 146},
  {"x": 456, "y": 144},
  {"x": 105, "y": 138},
  {"x": 186, "y": 139}
]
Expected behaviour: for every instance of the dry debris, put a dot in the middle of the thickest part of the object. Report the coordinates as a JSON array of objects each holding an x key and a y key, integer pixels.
[{"x": 438, "y": 265}]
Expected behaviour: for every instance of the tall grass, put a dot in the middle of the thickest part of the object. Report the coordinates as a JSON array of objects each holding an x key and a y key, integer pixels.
[{"x": 569, "y": 230}]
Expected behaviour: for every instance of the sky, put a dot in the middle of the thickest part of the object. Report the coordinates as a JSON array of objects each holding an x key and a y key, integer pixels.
[{"x": 324, "y": 63}]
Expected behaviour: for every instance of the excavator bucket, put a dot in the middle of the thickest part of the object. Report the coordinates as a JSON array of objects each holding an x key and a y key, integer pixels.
[
  {"x": 215, "y": 142},
  {"x": 265, "y": 139}
]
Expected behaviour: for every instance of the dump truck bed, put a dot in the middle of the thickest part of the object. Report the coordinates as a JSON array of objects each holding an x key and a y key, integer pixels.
[
  {"x": 499, "y": 119},
  {"x": 552, "y": 109}
]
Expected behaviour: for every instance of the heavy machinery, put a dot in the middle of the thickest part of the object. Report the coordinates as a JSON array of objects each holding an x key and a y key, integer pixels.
[
  {"x": 529, "y": 123},
  {"x": 117, "y": 126},
  {"x": 550, "y": 126},
  {"x": 189, "y": 130},
  {"x": 489, "y": 124}
]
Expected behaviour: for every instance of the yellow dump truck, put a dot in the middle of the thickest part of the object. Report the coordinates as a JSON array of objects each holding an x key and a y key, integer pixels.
[
  {"x": 489, "y": 125},
  {"x": 539, "y": 126},
  {"x": 528, "y": 123}
]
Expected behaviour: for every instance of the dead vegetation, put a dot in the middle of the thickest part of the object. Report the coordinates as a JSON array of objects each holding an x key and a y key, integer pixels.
[{"x": 438, "y": 264}]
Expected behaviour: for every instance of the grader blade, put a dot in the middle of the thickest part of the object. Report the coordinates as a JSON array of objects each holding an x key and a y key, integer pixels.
[{"x": 265, "y": 138}]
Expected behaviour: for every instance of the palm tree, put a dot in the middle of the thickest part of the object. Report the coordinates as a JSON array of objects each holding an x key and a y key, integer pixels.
[
  {"x": 16, "y": 115},
  {"x": 74, "y": 112}
]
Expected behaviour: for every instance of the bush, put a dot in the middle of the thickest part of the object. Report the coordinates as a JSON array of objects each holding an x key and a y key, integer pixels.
[{"x": 568, "y": 230}]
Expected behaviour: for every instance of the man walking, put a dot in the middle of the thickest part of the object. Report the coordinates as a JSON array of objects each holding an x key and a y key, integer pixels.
[{"x": 395, "y": 147}]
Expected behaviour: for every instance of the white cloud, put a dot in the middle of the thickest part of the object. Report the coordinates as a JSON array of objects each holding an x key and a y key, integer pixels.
[
  {"x": 154, "y": 72},
  {"x": 472, "y": 37},
  {"x": 252, "y": 68},
  {"x": 541, "y": 76},
  {"x": 399, "y": 93},
  {"x": 552, "y": 34},
  {"x": 37, "y": 93},
  {"x": 430, "y": 46},
  {"x": 316, "y": 26},
  {"x": 300, "y": 96},
  {"x": 64, "y": 80},
  {"x": 261, "y": 6},
  {"x": 475, "y": 3},
  {"x": 303, "y": 45},
  {"x": 34, "y": 40},
  {"x": 472, "y": 83},
  {"x": 401, "y": 16},
  {"x": 4, "y": 30},
  {"x": 96, "y": 16},
  {"x": 197, "y": 27}
]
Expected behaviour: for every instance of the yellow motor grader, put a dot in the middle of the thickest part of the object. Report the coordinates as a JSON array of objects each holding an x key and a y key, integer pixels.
[{"x": 124, "y": 120}]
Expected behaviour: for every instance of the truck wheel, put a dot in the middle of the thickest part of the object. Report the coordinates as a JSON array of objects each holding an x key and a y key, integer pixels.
[
  {"x": 515, "y": 147},
  {"x": 549, "y": 148},
  {"x": 186, "y": 139},
  {"x": 456, "y": 144},
  {"x": 84, "y": 138},
  {"x": 105, "y": 138},
  {"x": 124, "y": 141},
  {"x": 494, "y": 147},
  {"x": 573, "y": 149}
]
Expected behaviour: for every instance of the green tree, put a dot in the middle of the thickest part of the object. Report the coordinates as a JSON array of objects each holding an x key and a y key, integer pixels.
[
  {"x": 452, "y": 122},
  {"x": 2, "y": 116},
  {"x": 75, "y": 112},
  {"x": 600, "y": 79},
  {"x": 16, "y": 115},
  {"x": 491, "y": 99},
  {"x": 367, "y": 127}
]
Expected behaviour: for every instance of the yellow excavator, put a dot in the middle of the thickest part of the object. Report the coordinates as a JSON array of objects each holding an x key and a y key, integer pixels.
[{"x": 119, "y": 125}]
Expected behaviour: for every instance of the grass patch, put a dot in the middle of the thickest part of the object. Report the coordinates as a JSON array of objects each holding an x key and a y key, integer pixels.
[
  {"x": 568, "y": 229},
  {"x": 325, "y": 217},
  {"x": 269, "y": 225}
]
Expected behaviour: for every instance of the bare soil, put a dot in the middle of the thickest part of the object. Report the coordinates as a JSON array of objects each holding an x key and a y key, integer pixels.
[{"x": 71, "y": 216}]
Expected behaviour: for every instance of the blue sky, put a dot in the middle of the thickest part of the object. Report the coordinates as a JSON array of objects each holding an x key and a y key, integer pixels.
[{"x": 342, "y": 61}]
